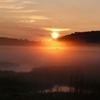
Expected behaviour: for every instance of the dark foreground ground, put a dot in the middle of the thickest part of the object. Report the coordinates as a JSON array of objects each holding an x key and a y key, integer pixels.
[
  {"x": 31, "y": 85},
  {"x": 49, "y": 96}
]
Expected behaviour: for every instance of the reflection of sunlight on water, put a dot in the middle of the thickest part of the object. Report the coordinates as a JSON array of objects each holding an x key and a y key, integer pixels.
[
  {"x": 54, "y": 54},
  {"x": 64, "y": 89},
  {"x": 53, "y": 45}
]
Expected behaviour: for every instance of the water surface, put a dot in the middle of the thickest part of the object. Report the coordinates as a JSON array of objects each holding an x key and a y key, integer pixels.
[{"x": 17, "y": 58}]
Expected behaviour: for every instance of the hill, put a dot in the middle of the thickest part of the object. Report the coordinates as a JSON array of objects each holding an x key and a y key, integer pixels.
[{"x": 92, "y": 37}]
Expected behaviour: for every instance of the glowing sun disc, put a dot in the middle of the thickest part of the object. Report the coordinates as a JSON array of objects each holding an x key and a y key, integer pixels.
[{"x": 55, "y": 35}]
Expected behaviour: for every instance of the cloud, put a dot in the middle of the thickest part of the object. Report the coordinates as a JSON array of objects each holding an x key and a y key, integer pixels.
[
  {"x": 39, "y": 17},
  {"x": 15, "y": 13},
  {"x": 20, "y": 11},
  {"x": 57, "y": 29},
  {"x": 11, "y": 4},
  {"x": 7, "y": 1},
  {"x": 26, "y": 2},
  {"x": 26, "y": 21},
  {"x": 22, "y": 30},
  {"x": 11, "y": 7},
  {"x": 32, "y": 17}
]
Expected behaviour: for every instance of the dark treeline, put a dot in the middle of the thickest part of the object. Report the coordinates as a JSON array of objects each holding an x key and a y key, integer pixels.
[
  {"x": 91, "y": 37},
  {"x": 14, "y": 41}
]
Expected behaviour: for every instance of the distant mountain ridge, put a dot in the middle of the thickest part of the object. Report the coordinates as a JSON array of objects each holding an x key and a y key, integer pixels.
[{"x": 90, "y": 37}]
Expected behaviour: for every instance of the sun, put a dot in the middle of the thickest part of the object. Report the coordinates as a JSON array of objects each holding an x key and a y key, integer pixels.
[{"x": 55, "y": 35}]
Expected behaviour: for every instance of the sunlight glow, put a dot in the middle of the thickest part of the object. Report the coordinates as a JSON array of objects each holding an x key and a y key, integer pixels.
[
  {"x": 57, "y": 29},
  {"x": 55, "y": 35},
  {"x": 54, "y": 45}
]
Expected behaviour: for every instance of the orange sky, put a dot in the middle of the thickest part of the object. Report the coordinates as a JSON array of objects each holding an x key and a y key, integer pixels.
[{"x": 30, "y": 18}]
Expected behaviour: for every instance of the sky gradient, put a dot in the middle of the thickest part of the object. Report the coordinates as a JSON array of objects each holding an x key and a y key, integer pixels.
[{"x": 29, "y": 18}]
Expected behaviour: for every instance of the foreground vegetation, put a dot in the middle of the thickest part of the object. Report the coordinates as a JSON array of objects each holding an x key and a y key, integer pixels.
[
  {"x": 32, "y": 85},
  {"x": 48, "y": 96}
]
